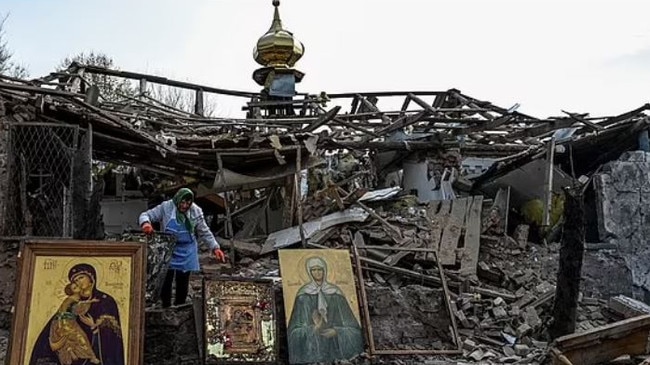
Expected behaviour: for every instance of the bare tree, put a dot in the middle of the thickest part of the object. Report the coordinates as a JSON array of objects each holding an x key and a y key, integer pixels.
[
  {"x": 111, "y": 88},
  {"x": 180, "y": 99},
  {"x": 7, "y": 65}
]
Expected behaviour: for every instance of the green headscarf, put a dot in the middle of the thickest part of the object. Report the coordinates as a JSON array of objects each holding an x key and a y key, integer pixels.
[{"x": 181, "y": 195}]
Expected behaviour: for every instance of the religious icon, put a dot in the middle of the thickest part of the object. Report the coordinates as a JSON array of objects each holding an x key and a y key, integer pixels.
[
  {"x": 240, "y": 322},
  {"x": 321, "y": 306},
  {"x": 79, "y": 303}
]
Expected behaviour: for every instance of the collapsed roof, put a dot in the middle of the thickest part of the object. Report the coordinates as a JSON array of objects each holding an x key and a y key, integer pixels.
[{"x": 141, "y": 131}]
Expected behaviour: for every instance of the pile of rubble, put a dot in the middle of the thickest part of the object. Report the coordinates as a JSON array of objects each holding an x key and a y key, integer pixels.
[{"x": 502, "y": 311}]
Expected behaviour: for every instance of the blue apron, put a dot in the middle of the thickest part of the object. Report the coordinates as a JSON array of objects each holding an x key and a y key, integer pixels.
[{"x": 185, "y": 256}]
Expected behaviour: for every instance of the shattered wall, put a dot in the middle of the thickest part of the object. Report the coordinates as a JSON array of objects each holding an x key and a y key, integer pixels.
[
  {"x": 623, "y": 209},
  {"x": 414, "y": 317}
]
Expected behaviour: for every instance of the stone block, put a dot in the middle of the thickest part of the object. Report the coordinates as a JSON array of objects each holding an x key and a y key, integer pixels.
[
  {"x": 531, "y": 317},
  {"x": 524, "y": 329},
  {"x": 508, "y": 350},
  {"x": 522, "y": 350},
  {"x": 499, "y": 312},
  {"x": 469, "y": 345}
]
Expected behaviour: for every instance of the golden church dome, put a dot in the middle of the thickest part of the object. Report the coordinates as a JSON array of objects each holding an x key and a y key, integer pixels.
[{"x": 278, "y": 47}]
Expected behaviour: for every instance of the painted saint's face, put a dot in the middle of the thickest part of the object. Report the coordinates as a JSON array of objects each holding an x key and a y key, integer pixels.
[
  {"x": 83, "y": 282},
  {"x": 75, "y": 288},
  {"x": 184, "y": 205},
  {"x": 317, "y": 273}
]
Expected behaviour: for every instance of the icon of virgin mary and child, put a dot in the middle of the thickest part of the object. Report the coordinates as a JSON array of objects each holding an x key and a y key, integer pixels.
[{"x": 86, "y": 327}]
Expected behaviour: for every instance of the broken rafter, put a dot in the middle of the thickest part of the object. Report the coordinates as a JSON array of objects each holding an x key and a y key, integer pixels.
[
  {"x": 581, "y": 119},
  {"x": 404, "y": 122},
  {"x": 165, "y": 81},
  {"x": 322, "y": 119}
]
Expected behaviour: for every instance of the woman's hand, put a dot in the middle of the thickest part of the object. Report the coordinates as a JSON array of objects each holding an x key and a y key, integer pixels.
[
  {"x": 147, "y": 228},
  {"x": 219, "y": 255}
]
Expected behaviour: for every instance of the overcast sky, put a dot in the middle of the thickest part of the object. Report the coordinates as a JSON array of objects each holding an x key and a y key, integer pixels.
[{"x": 582, "y": 56}]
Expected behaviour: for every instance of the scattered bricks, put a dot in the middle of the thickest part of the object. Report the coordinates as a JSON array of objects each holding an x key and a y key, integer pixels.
[
  {"x": 508, "y": 351},
  {"x": 514, "y": 311},
  {"x": 483, "y": 266},
  {"x": 544, "y": 287},
  {"x": 485, "y": 272},
  {"x": 489, "y": 354},
  {"x": 532, "y": 318},
  {"x": 585, "y": 325},
  {"x": 539, "y": 344},
  {"x": 463, "y": 319},
  {"x": 590, "y": 301},
  {"x": 477, "y": 355},
  {"x": 520, "y": 292},
  {"x": 526, "y": 340},
  {"x": 499, "y": 312},
  {"x": 474, "y": 321},
  {"x": 524, "y": 329},
  {"x": 498, "y": 301},
  {"x": 592, "y": 309},
  {"x": 508, "y": 329},
  {"x": 510, "y": 359},
  {"x": 526, "y": 299},
  {"x": 521, "y": 280},
  {"x": 469, "y": 345},
  {"x": 596, "y": 316},
  {"x": 522, "y": 350}
]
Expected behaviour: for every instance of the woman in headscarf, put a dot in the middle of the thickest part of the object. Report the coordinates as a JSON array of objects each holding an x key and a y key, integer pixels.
[
  {"x": 181, "y": 217},
  {"x": 322, "y": 327}
]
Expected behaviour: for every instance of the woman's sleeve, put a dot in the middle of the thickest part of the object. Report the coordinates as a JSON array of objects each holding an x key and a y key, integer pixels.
[
  {"x": 203, "y": 232},
  {"x": 154, "y": 214}
]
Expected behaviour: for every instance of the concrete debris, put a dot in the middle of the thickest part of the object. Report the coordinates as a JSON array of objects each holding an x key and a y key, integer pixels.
[
  {"x": 502, "y": 313},
  {"x": 627, "y": 307}
]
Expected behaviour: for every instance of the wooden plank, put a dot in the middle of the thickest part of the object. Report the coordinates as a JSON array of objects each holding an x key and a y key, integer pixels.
[
  {"x": 322, "y": 119},
  {"x": 595, "y": 335},
  {"x": 438, "y": 223},
  {"x": 404, "y": 121},
  {"x": 488, "y": 125},
  {"x": 434, "y": 240},
  {"x": 451, "y": 232},
  {"x": 472, "y": 237},
  {"x": 632, "y": 343},
  {"x": 407, "y": 243},
  {"x": 579, "y": 118}
]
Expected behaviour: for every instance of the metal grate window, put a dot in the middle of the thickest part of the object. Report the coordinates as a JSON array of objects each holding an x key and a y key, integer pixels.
[{"x": 39, "y": 179}]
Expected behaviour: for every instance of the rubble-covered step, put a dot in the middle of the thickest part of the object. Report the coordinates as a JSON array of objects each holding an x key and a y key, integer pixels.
[
  {"x": 413, "y": 317},
  {"x": 171, "y": 337}
]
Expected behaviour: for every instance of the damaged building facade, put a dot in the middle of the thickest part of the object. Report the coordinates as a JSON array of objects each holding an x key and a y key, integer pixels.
[{"x": 446, "y": 197}]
